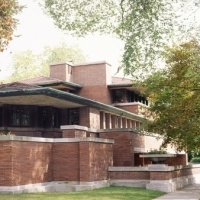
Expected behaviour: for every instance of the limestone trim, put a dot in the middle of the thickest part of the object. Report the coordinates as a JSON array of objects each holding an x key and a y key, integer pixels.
[
  {"x": 54, "y": 186},
  {"x": 77, "y": 127},
  {"x": 56, "y": 140}
]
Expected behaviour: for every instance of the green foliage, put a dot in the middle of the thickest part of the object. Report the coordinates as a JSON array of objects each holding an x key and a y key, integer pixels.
[
  {"x": 195, "y": 160},
  {"x": 144, "y": 26},
  {"x": 27, "y": 64},
  {"x": 8, "y": 22},
  {"x": 193, "y": 153},
  {"x": 174, "y": 94},
  {"x": 157, "y": 151}
]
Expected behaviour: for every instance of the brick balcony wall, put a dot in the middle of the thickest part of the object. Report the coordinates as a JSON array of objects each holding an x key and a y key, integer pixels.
[
  {"x": 129, "y": 145},
  {"x": 28, "y": 162},
  {"x": 5, "y": 163},
  {"x": 65, "y": 161},
  {"x": 127, "y": 175},
  {"x": 123, "y": 154},
  {"x": 145, "y": 173},
  {"x": 177, "y": 173},
  {"x": 125, "y": 142},
  {"x": 94, "y": 162}
]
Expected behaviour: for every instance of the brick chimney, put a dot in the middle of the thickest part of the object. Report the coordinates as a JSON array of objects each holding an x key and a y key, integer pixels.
[{"x": 62, "y": 71}]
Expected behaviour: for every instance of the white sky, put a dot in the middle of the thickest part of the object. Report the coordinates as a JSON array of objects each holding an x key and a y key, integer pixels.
[{"x": 35, "y": 30}]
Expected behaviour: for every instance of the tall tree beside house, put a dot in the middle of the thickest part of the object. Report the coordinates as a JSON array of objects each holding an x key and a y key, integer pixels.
[
  {"x": 27, "y": 64},
  {"x": 143, "y": 25},
  {"x": 8, "y": 22},
  {"x": 174, "y": 94}
]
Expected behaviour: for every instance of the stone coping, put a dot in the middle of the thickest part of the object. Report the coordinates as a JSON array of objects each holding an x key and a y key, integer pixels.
[
  {"x": 152, "y": 167},
  {"x": 127, "y": 169},
  {"x": 77, "y": 127},
  {"x": 84, "y": 128},
  {"x": 157, "y": 155},
  {"x": 54, "y": 140},
  {"x": 147, "y": 150}
]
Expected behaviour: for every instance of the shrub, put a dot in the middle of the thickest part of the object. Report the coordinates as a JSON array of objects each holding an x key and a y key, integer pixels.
[
  {"x": 156, "y": 151},
  {"x": 195, "y": 160}
]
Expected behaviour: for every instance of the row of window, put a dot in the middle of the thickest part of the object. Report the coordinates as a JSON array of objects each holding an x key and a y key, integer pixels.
[
  {"x": 46, "y": 117},
  {"x": 122, "y": 96}
]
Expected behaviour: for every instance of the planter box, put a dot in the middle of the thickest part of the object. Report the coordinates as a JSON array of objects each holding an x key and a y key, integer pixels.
[{"x": 157, "y": 158}]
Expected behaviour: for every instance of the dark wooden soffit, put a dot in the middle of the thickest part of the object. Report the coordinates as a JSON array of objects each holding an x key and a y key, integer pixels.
[
  {"x": 127, "y": 86},
  {"x": 59, "y": 99}
]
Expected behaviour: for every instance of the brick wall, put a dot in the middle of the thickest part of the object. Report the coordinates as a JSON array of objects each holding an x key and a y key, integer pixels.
[
  {"x": 73, "y": 133},
  {"x": 94, "y": 77},
  {"x": 125, "y": 143},
  {"x": 65, "y": 161},
  {"x": 180, "y": 159},
  {"x": 129, "y": 145},
  {"x": 94, "y": 118},
  {"x": 127, "y": 175},
  {"x": 129, "y": 107},
  {"x": 95, "y": 160},
  {"x": 92, "y": 74},
  {"x": 31, "y": 162},
  {"x": 89, "y": 117},
  {"x": 28, "y": 162},
  {"x": 96, "y": 92},
  {"x": 123, "y": 154},
  {"x": 61, "y": 71},
  {"x": 154, "y": 172},
  {"x": 5, "y": 163},
  {"x": 176, "y": 173}
]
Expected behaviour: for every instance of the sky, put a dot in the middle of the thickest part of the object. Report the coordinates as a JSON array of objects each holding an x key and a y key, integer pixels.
[{"x": 36, "y": 30}]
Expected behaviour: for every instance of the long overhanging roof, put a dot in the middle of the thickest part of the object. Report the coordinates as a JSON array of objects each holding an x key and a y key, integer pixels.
[
  {"x": 59, "y": 99},
  {"x": 52, "y": 82}
]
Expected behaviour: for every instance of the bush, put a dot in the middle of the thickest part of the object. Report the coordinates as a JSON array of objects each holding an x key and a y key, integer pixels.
[
  {"x": 193, "y": 154},
  {"x": 195, "y": 160},
  {"x": 155, "y": 151}
]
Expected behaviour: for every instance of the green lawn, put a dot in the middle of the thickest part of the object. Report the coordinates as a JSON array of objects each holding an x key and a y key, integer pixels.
[{"x": 109, "y": 193}]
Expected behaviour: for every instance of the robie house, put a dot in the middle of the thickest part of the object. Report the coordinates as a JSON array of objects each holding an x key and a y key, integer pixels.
[{"x": 68, "y": 130}]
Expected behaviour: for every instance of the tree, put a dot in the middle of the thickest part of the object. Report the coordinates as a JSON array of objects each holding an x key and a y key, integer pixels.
[
  {"x": 8, "y": 22},
  {"x": 143, "y": 25},
  {"x": 174, "y": 94},
  {"x": 27, "y": 64}
]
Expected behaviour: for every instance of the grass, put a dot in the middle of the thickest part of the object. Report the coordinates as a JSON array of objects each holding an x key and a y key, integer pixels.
[{"x": 108, "y": 193}]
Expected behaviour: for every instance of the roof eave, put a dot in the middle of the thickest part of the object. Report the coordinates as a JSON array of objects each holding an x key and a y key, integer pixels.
[
  {"x": 69, "y": 85},
  {"x": 73, "y": 98}
]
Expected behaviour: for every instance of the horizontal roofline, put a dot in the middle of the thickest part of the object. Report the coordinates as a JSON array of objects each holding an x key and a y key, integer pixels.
[
  {"x": 120, "y": 85},
  {"x": 73, "y": 98},
  {"x": 81, "y": 64},
  {"x": 68, "y": 84}
]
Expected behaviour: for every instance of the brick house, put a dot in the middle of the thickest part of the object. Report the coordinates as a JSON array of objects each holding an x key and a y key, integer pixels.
[{"x": 79, "y": 121}]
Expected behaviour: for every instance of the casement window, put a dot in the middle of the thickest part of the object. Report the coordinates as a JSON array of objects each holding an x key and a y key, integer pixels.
[
  {"x": 49, "y": 117},
  {"x": 126, "y": 96},
  {"x": 74, "y": 116},
  {"x": 1, "y": 116},
  {"x": 134, "y": 97},
  {"x": 118, "y": 96},
  {"x": 20, "y": 116}
]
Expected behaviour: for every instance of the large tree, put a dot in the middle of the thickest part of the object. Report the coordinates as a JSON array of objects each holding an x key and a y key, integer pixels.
[
  {"x": 8, "y": 22},
  {"x": 27, "y": 64},
  {"x": 174, "y": 94},
  {"x": 143, "y": 25}
]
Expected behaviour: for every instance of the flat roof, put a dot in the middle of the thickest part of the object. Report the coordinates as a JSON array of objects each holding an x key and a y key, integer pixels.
[{"x": 59, "y": 99}]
